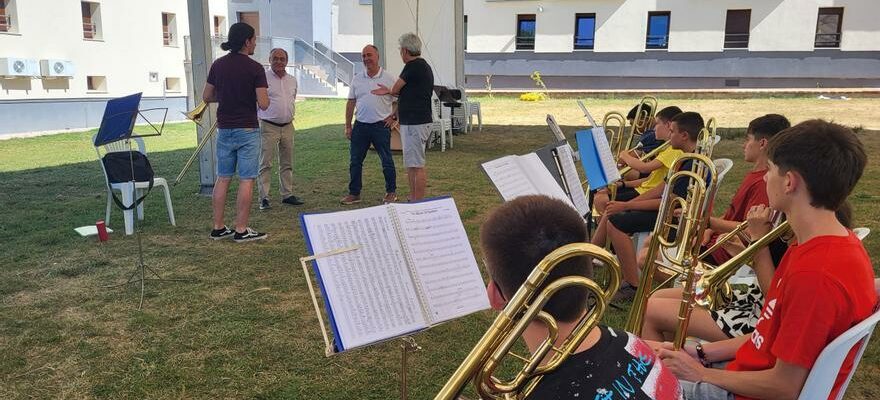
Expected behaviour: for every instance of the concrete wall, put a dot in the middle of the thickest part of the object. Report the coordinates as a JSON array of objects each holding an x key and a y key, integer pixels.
[
  {"x": 435, "y": 22},
  {"x": 354, "y": 26}
]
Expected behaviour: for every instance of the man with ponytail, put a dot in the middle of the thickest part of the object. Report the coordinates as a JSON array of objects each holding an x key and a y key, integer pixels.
[{"x": 239, "y": 85}]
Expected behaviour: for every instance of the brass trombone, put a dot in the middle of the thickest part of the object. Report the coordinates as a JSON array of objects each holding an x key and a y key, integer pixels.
[
  {"x": 526, "y": 306},
  {"x": 707, "y": 137},
  {"x": 195, "y": 115},
  {"x": 679, "y": 254}
]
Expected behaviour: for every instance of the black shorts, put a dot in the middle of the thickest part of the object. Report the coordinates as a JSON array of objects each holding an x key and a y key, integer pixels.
[
  {"x": 631, "y": 222},
  {"x": 625, "y": 194}
]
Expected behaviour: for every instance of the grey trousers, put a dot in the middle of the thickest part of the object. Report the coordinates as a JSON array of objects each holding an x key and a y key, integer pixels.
[{"x": 280, "y": 139}]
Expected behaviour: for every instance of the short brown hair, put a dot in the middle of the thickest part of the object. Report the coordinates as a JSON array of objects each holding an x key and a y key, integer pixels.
[
  {"x": 668, "y": 113},
  {"x": 829, "y": 157},
  {"x": 690, "y": 122},
  {"x": 520, "y": 233},
  {"x": 765, "y": 127}
]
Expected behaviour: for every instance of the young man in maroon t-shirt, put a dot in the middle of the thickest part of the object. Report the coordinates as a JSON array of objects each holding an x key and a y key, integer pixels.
[
  {"x": 823, "y": 286},
  {"x": 239, "y": 84}
]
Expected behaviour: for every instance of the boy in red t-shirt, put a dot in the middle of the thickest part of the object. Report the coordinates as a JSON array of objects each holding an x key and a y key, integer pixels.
[{"x": 823, "y": 286}]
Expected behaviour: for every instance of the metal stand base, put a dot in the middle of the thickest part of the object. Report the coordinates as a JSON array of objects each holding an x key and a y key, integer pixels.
[
  {"x": 206, "y": 190},
  {"x": 407, "y": 345}
]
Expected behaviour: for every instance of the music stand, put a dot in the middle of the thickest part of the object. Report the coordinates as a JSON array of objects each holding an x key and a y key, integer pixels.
[{"x": 117, "y": 124}]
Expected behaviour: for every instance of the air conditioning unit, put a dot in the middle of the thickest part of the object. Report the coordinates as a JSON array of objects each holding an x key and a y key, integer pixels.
[
  {"x": 18, "y": 67},
  {"x": 57, "y": 68}
]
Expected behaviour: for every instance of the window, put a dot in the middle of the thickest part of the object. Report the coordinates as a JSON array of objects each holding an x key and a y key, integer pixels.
[
  {"x": 251, "y": 18},
  {"x": 525, "y": 32},
  {"x": 658, "y": 30},
  {"x": 465, "y": 32},
  {"x": 828, "y": 27},
  {"x": 172, "y": 84},
  {"x": 219, "y": 25},
  {"x": 7, "y": 16},
  {"x": 736, "y": 30},
  {"x": 91, "y": 15},
  {"x": 96, "y": 83},
  {"x": 169, "y": 29},
  {"x": 584, "y": 31}
]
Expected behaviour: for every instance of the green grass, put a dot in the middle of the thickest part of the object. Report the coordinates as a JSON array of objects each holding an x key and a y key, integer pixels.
[{"x": 245, "y": 327}]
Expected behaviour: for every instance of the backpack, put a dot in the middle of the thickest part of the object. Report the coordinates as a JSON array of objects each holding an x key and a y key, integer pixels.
[{"x": 121, "y": 165}]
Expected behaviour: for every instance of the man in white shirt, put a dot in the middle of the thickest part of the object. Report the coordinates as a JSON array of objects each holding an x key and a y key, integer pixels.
[
  {"x": 276, "y": 125},
  {"x": 374, "y": 118}
]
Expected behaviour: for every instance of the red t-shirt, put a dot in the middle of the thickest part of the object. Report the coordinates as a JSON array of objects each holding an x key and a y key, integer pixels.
[
  {"x": 236, "y": 78},
  {"x": 821, "y": 288},
  {"x": 751, "y": 192}
]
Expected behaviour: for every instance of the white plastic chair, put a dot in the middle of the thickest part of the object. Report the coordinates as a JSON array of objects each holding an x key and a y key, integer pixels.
[
  {"x": 862, "y": 232},
  {"x": 471, "y": 108},
  {"x": 722, "y": 167},
  {"x": 124, "y": 188},
  {"x": 439, "y": 126},
  {"x": 820, "y": 382}
]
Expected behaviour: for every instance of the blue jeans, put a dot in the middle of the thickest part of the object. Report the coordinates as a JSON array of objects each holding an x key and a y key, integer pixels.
[
  {"x": 362, "y": 135},
  {"x": 238, "y": 148}
]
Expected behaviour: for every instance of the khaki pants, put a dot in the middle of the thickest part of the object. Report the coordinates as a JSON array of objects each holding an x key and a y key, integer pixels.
[{"x": 280, "y": 138}]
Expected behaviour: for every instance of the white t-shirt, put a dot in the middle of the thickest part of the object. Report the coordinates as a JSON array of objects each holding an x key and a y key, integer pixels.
[
  {"x": 282, "y": 97},
  {"x": 370, "y": 108}
]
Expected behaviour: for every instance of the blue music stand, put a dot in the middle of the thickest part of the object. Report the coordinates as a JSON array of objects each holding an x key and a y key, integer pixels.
[{"x": 118, "y": 123}]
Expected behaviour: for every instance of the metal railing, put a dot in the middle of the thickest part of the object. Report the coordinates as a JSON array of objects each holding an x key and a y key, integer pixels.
[
  {"x": 827, "y": 40},
  {"x": 90, "y": 30},
  {"x": 525, "y": 42},
  {"x": 5, "y": 23},
  {"x": 344, "y": 66},
  {"x": 583, "y": 42},
  {"x": 736, "y": 41},
  {"x": 167, "y": 38},
  {"x": 657, "y": 41}
]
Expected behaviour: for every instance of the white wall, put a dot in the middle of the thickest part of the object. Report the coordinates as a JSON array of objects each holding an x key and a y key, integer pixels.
[
  {"x": 131, "y": 47},
  {"x": 695, "y": 26},
  {"x": 435, "y": 28},
  {"x": 354, "y": 26}
]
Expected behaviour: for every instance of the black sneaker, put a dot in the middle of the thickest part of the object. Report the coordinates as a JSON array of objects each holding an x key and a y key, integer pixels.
[
  {"x": 248, "y": 235},
  {"x": 221, "y": 233},
  {"x": 264, "y": 204},
  {"x": 293, "y": 200},
  {"x": 625, "y": 293}
]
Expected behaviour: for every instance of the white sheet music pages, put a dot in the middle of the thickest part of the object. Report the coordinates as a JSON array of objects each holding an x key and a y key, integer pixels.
[
  {"x": 516, "y": 176},
  {"x": 612, "y": 174},
  {"x": 414, "y": 267},
  {"x": 554, "y": 127},
  {"x": 446, "y": 271},
  {"x": 572, "y": 179}
]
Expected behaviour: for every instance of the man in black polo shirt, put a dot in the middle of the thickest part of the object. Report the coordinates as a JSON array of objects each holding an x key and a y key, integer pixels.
[{"x": 414, "y": 86}]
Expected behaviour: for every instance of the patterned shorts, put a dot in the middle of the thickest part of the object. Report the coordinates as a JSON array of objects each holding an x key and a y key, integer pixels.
[{"x": 740, "y": 316}]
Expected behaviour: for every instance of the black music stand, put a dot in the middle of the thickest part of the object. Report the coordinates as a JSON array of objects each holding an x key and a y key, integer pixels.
[{"x": 118, "y": 122}]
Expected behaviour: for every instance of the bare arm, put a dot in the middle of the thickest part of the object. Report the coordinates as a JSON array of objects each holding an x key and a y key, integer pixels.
[
  {"x": 349, "y": 113},
  {"x": 639, "y": 165},
  {"x": 721, "y": 225},
  {"x": 395, "y": 90},
  {"x": 263, "y": 98},
  {"x": 209, "y": 95}
]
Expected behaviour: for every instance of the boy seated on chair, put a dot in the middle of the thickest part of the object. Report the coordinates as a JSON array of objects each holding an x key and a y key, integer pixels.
[
  {"x": 622, "y": 219},
  {"x": 738, "y": 317},
  {"x": 609, "y": 363},
  {"x": 823, "y": 286},
  {"x": 656, "y": 168}
]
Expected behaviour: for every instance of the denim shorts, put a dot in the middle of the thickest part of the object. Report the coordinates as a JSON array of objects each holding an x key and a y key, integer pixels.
[{"x": 238, "y": 147}]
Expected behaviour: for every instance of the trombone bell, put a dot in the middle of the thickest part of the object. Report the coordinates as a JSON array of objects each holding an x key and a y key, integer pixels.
[{"x": 195, "y": 115}]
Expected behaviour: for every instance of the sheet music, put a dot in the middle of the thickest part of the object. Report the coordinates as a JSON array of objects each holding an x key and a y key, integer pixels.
[
  {"x": 587, "y": 114},
  {"x": 445, "y": 267},
  {"x": 609, "y": 166},
  {"x": 541, "y": 178},
  {"x": 572, "y": 179},
  {"x": 554, "y": 127},
  {"x": 516, "y": 176},
  {"x": 369, "y": 290}
]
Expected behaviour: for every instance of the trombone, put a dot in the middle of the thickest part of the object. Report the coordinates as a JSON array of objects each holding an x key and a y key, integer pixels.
[
  {"x": 524, "y": 307},
  {"x": 196, "y": 115},
  {"x": 679, "y": 254}
]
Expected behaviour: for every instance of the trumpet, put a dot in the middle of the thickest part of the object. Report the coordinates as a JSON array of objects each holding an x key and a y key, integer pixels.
[
  {"x": 196, "y": 115},
  {"x": 679, "y": 254},
  {"x": 524, "y": 307}
]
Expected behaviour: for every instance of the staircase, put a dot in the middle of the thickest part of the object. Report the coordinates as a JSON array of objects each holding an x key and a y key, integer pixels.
[{"x": 313, "y": 81}]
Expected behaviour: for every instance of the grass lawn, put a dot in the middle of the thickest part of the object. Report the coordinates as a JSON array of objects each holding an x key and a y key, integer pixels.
[{"x": 245, "y": 327}]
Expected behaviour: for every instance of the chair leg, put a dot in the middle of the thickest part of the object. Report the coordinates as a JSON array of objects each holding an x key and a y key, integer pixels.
[
  {"x": 442, "y": 137},
  {"x": 128, "y": 215},
  {"x": 168, "y": 205},
  {"x": 109, "y": 207},
  {"x": 140, "y": 207},
  {"x": 480, "y": 119}
]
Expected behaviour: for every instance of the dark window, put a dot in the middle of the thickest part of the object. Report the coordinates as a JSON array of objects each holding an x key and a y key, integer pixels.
[
  {"x": 828, "y": 27},
  {"x": 525, "y": 32},
  {"x": 465, "y": 32},
  {"x": 658, "y": 30},
  {"x": 736, "y": 30},
  {"x": 584, "y": 31},
  {"x": 89, "y": 26}
]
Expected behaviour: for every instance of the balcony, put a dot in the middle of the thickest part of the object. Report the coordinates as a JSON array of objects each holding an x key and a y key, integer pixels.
[
  {"x": 5, "y": 23},
  {"x": 827, "y": 40},
  {"x": 90, "y": 30},
  {"x": 657, "y": 42},
  {"x": 525, "y": 42},
  {"x": 736, "y": 41},
  {"x": 168, "y": 38}
]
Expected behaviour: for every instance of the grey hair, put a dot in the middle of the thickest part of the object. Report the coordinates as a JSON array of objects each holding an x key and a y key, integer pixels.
[
  {"x": 411, "y": 43},
  {"x": 278, "y": 48}
]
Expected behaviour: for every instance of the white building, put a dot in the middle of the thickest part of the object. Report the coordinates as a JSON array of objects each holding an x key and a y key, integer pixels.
[
  {"x": 61, "y": 60},
  {"x": 657, "y": 44}
]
